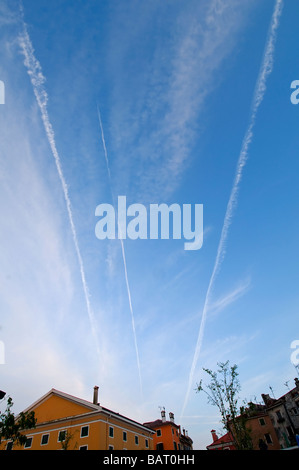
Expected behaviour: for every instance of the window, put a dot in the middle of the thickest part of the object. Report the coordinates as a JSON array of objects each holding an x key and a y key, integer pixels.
[
  {"x": 290, "y": 432},
  {"x": 111, "y": 431},
  {"x": 136, "y": 440},
  {"x": 83, "y": 448},
  {"x": 268, "y": 438},
  {"x": 262, "y": 422},
  {"x": 110, "y": 448},
  {"x": 61, "y": 436},
  {"x": 84, "y": 431},
  {"x": 280, "y": 418},
  {"x": 159, "y": 432},
  {"x": 146, "y": 443},
  {"x": 160, "y": 446},
  {"x": 28, "y": 443},
  {"x": 45, "y": 439},
  {"x": 125, "y": 436}
]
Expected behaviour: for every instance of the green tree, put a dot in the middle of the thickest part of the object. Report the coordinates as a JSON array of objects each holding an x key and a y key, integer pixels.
[
  {"x": 223, "y": 392},
  {"x": 66, "y": 441},
  {"x": 12, "y": 427}
]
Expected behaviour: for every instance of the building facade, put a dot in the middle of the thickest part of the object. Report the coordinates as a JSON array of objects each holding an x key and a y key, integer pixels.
[
  {"x": 168, "y": 434},
  {"x": 68, "y": 422},
  {"x": 262, "y": 431},
  {"x": 284, "y": 414}
]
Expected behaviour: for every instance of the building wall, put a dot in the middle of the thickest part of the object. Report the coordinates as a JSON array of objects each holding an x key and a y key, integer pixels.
[
  {"x": 262, "y": 428},
  {"x": 170, "y": 436},
  {"x": 99, "y": 435},
  {"x": 104, "y": 430}
]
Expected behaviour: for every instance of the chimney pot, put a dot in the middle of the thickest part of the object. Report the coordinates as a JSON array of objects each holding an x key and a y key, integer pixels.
[
  {"x": 171, "y": 417},
  {"x": 214, "y": 435},
  {"x": 163, "y": 416},
  {"x": 95, "y": 395}
]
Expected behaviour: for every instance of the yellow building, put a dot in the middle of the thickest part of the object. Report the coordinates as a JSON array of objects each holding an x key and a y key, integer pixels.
[{"x": 66, "y": 421}]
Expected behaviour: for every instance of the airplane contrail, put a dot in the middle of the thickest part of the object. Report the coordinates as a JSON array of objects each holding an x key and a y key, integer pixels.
[
  {"x": 265, "y": 70},
  {"x": 37, "y": 79},
  {"x": 122, "y": 250}
]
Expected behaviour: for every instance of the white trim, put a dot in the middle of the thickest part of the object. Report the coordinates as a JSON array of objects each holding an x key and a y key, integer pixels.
[
  {"x": 66, "y": 396},
  {"x": 72, "y": 418}
]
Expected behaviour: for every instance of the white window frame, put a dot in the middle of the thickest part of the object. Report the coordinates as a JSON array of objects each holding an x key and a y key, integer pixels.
[
  {"x": 41, "y": 441},
  {"x": 62, "y": 430},
  {"x": 28, "y": 438},
  {"x": 83, "y": 427}
]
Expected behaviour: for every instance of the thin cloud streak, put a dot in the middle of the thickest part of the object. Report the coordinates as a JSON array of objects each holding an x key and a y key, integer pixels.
[
  {"x": 223, "y": 302},
  {"x": 123, "y": 253},
  {"x": 37, "y": 79},
  {"x": 265, "y": 70}
]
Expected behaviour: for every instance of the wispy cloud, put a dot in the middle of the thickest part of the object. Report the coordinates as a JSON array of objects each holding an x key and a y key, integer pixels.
[
  {"x": 155, "y": 148},
  {"x": 265, "y": 70},
  {"x": 229, "y": 298},
  {"x": 37, "y": 79},
  {"x": 122, "y": 251}
]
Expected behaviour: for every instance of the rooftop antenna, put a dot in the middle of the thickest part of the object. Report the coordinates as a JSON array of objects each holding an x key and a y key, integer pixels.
[
  {"x": 272, "y": 391},
  {"x": 287, "y": 384}
]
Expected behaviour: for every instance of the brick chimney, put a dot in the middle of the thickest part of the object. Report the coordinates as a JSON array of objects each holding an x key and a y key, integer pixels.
[
  {"x": 95, "y": 395},
  {"x": 214, "y": 435}
]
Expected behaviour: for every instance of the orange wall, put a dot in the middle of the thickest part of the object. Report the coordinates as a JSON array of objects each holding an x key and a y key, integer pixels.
[
  {"x": 57, "y": 414},
  {"x": 258, "y": 431},
  {"x": 169, "y": 435}
]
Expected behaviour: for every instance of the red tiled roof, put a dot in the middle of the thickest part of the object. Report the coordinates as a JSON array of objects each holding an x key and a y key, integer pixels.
[{"x": 227, "y": 438}]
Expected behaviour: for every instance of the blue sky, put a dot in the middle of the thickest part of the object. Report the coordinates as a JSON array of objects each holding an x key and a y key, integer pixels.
[{"x": 175, "y": 83}]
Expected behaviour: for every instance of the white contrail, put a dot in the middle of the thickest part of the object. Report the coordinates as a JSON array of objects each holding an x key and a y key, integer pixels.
[
  {"x": 37, "y": 79},
  {"x": 265, "y": 70},
  {"x": 123, "y": 252}
]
